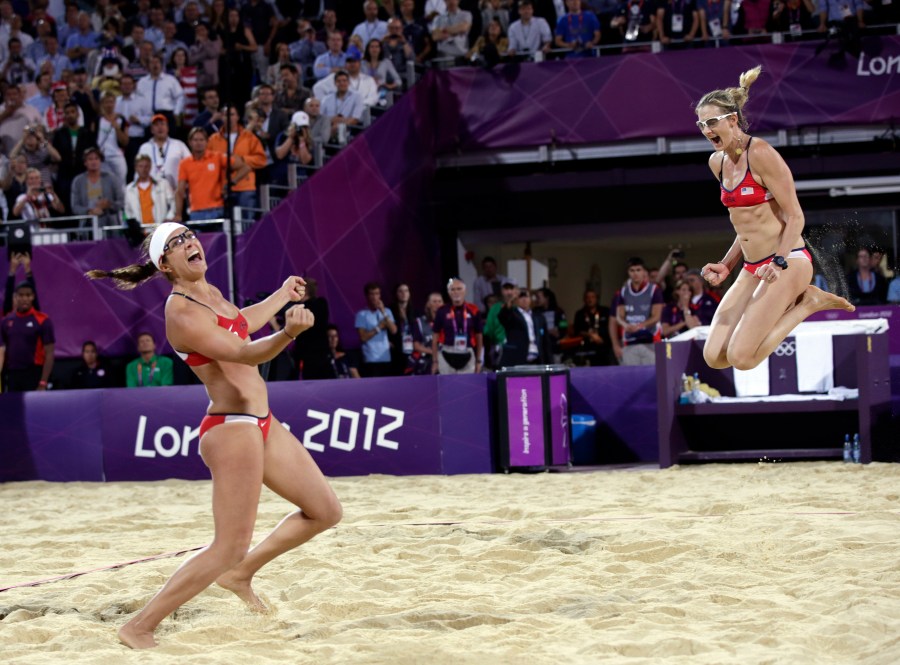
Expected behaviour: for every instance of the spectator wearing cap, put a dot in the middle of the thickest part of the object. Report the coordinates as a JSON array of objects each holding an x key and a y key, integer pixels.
[
  {"x": 135, "y": 108},
  {"x": 162, "y": 90},
  {"x": 52, "y": 55},
  {"x": 165, "y": 152},
  {"x": 96, "y": 192},
  {"x": 55, "y": 115},
  {"x": 292, "y": 146},
  {"x": 201, "y": 175},
  {"x": 333, "y": 60},
  {"x": 15, "y": 116},
  {"x": 27, "y": 344},
  {"x": 247, "y": 146},
  {"x": 451, "y": 31},
  {"x": 457, "y": 343},
  {"x": 291, "y": 96},
  {"x": 79, "y": 44},
  {"x": 362, "y": 84},
  {"x": 148, "y": 200},
  {"x": 489, "y": 282},
  {"x": 70, "y": 139},
  {"x": 371, "y": 28},
  {"x": 530, "y": 34},
  {"x": 343, "y": 106}
]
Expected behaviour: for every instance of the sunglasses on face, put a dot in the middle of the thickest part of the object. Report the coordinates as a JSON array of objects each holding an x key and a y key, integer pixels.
[
  {"x": 179, "y": 240},
  {"x": 710, "y": 123}
]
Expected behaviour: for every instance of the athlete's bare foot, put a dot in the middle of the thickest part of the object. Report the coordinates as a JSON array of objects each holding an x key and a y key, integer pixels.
[
  {"x": 817, "y": 300},
  {"x": 136, "y": 639},
  {"x": 243, "y": 590}
]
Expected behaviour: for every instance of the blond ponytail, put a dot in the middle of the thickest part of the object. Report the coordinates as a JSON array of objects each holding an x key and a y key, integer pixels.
[{"x": 733, "y": 99}]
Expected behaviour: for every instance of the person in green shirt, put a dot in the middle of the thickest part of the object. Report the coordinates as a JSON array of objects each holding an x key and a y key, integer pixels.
[
  {"x": 149, "y": 369},
  {"x": 494, "y": 332}
]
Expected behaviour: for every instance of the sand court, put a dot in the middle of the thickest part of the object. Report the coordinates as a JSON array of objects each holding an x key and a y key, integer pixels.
[{"x": 748, "y": 563}]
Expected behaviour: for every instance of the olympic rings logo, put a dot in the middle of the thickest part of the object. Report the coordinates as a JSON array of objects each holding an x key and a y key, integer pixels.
[{"x": 786, "y": 349}]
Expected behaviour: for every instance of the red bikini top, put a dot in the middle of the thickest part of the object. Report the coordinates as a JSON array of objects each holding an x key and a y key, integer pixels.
[
  {"x": 238, "y": 325},
  {"x": 747, "y": 193}
]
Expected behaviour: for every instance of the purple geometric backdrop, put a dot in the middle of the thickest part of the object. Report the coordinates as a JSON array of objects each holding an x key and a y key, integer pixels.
[{"x": 365, "y": 216}]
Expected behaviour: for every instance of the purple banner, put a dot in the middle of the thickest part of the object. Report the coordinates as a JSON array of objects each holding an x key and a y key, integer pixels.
[
  {"x": 558, "y": 396},
  {"x": 525, "y": 421},
  {"x": 602, "y": 100},
  {"x": 82, "y": 309},
  {"x": 392, "y": 426}
]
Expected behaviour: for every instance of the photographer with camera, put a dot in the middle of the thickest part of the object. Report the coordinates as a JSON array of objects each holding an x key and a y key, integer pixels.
[
  {"x": 18, "y": 68},
  {"x": 295, "y": 145},
  {"x": 38, "y": 199},
  {"x": 39, "y": 152}
]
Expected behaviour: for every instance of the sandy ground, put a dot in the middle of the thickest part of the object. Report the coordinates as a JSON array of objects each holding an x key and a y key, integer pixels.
[{"x": 751, "y": 563}]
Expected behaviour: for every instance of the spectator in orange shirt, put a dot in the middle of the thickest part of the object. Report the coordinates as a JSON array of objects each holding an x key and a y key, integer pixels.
[
  {"x": 244, "y": 144},
  {"x": 202, "y": 176}
]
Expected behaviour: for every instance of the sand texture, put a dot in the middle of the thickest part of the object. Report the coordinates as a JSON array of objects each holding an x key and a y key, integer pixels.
[{"x": 750, "y": 563}]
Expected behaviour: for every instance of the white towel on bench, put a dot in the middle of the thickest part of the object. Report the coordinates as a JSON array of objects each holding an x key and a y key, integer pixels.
[
  {"x": 815, "y": 362},
  {"x": 752, "y": 382}
]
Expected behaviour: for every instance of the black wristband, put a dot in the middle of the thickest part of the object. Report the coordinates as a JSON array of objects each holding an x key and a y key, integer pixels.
[{"x": 780, "y": 261}]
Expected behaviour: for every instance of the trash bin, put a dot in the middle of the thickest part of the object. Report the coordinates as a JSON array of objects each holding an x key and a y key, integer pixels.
[
  {"x": 584, "y": 439},
  {"x": 533, "y": 417}
]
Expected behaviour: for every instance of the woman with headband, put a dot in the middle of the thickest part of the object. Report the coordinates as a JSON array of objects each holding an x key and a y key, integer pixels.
[
  {"x": 772, "y": 293},
  {"x": 243, "y": 445}
]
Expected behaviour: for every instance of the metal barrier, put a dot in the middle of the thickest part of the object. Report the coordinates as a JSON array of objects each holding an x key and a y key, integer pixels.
[
  {"x": 61, "y": 230},
  {"x": 271, "y": 195}
]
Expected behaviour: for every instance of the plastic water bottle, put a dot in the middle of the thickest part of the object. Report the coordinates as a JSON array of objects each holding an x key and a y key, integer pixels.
[
  {"x": 848, "y": 450},
  {"x": 856, "y": 448},
  {"x": 695, "y": 392}
]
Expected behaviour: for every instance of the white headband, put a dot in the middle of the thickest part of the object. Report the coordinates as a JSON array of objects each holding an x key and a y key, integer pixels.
[{"x": 160, "y": 236}]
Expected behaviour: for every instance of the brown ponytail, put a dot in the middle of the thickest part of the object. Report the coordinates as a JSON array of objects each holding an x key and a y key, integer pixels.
[{"x": 128, "y": 277}]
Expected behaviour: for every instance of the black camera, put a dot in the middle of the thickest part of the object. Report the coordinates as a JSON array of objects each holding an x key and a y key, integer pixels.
[{"x": 678, "y": 254}]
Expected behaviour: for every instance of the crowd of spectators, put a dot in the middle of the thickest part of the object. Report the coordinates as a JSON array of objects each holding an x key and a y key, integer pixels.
[
  {"x": 135, "y": 78},
  {"x": 494, "y": 324}
]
